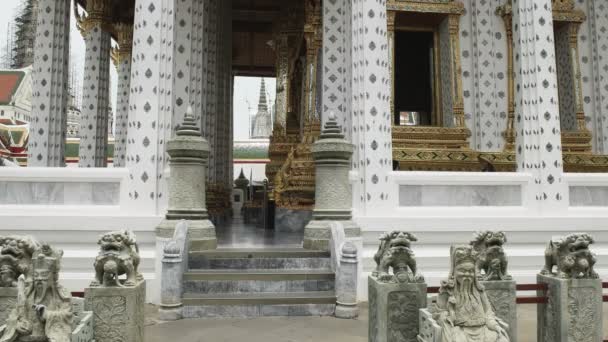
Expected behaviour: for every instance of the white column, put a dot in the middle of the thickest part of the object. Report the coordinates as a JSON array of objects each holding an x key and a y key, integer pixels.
[
  {"x": 211, "y": 112},
  {"x": 197, "y": 59},
  {"x": 537, "y": 108},
  {"x": 371, "y": 114},
  {"x": 598, "y": 21},
  {"x": 96, "y": 85},
  {"x": 333, "y": 58},
  {"x": 50, "y": 84},
  {"x": 348, "y": 66},
  {"x": 123, "y": 64},
  {"x": 183, "y": 69},
  {"x": 150, "y": 104}
]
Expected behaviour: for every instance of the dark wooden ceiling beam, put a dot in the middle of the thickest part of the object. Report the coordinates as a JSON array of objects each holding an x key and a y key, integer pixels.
[{"x": 247, "y": 26}]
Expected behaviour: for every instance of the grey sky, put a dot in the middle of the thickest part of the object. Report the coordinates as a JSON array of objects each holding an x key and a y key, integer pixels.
[{"x": 245, "y": 88}]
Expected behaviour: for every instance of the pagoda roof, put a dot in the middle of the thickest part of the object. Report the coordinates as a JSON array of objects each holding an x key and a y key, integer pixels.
[{"x": 9, "y": 84}]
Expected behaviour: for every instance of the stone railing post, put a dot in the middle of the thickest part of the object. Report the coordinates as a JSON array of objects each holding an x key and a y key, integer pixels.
[
  {"x": 346, "y": 283},
  {"x": 174, "y": 263},
  {"x": 333, "y": 191}
]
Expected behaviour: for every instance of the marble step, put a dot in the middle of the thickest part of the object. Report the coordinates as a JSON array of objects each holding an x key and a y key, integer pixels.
[
  {"x": 319, "y": 303},
  {"x": 237, "y": 258},
  {"x": 249, "y": 280}
]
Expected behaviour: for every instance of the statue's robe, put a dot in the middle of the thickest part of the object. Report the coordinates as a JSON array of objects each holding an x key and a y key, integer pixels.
[
  {"x": 54, "y": 326},
  {"x": 470, "y": 320}
]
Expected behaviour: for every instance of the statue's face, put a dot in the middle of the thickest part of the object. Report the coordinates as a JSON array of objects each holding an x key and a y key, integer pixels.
[
  {"x": 465, "y": 273},
  {"x": 41, "y": 282}
]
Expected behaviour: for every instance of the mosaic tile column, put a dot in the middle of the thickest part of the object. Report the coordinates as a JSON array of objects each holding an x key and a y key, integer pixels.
[
  {"x": 347, "y": 87},
  {"x": 197, "y": 60},
  {"x": 183, "y": 69},
  {"x": 537, "y": 108},
  {"x": 50, "y": 84},
  {"x": 371, "y": 96},
  {"x": 123, "y": 64},
  {"x": 211, "y": 110},
  {"x": 489, "y": 68},
  {"x": 312, "y": 35},
  {"x": 150, "y": 105},
  {"x": 333, "y": 66},
  {"x": 220, "y": 90},
  {"x": 597, "y": 81},
  {"x": 282, "y": 80},
  {"x": 95, "y": 28}
]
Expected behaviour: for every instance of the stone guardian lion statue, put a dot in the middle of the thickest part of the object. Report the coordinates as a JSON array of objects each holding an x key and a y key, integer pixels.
[{"x": 118, "y": 255}]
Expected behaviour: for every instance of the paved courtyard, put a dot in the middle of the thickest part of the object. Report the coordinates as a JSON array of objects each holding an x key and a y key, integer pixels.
[{"x": 294, "y": 329}]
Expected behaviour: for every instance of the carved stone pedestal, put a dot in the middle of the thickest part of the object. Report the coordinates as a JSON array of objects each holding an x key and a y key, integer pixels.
[
  {"x": 393, "y": 310},
  {"x": 573, "y": 312},
  {"x": 503, "y": 294},
  {"x": 118, "y": 312},
  {"x": 8, "y": 300}
]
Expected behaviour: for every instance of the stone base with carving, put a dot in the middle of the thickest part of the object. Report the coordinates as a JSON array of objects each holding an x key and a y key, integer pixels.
[
  {"x": 503, "y": 294},
  {"x": 393, "y": 310},
  {"x": 573, "y": 312},
  {"x": 8, "y": 300},
  {"x": 118, "y": 312}
]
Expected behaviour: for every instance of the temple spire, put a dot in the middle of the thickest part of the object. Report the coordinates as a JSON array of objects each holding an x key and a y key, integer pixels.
[{"x": 262, "y": 103}]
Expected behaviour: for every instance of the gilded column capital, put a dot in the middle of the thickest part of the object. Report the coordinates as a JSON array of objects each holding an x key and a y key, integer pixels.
[
  {"x": 98, "y": 13},
  {"x": 124, "y": 38}
]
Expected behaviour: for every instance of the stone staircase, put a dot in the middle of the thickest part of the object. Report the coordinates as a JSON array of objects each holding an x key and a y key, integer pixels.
[{"x": 230, "y": 282}]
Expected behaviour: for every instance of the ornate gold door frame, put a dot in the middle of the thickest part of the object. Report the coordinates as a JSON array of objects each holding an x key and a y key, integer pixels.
[{"x": 433, "y": 147}]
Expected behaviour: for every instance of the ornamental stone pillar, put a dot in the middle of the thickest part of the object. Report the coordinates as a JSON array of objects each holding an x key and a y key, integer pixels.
[
  {"x": 95, "y": 28},
  {"x": 538, "y": 141},
  {"x": 189, "y": 153},
  {"x": 333, "y": 191},
  {"x": 46, "y": 145},
  {"x": 122, "y": 61}
]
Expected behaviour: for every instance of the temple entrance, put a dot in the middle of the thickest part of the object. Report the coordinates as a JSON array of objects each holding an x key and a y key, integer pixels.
[
  {"x": 414, "y": 78},
  {"x": 275, "y": 119}
]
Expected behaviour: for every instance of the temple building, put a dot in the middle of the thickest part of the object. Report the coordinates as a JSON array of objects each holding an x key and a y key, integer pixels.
[{"x": 439, "y": 117}]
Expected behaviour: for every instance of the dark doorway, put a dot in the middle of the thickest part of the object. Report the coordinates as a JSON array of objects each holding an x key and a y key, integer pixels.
[{"x": 414, "y": 75}]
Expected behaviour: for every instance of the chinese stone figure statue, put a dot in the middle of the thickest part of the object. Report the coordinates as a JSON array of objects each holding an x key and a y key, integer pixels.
[
  {"x": 118, "y": 255},
  {"x": 463, "y": 310},
  {"x": 15, "y": 259},
  {"x": 395, "y": 252},
  {"x": 43, "y": 312}
]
